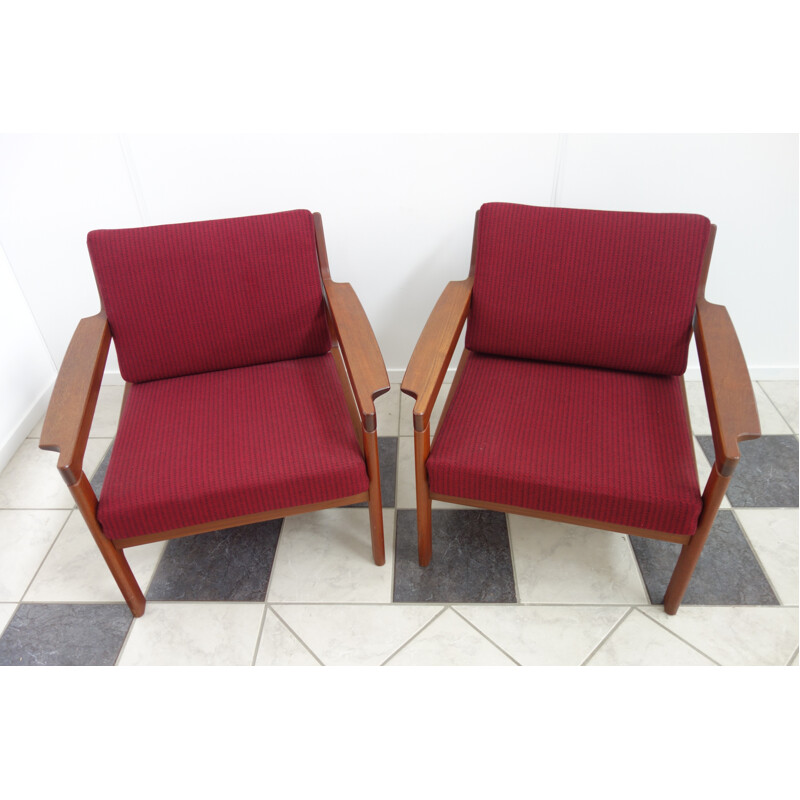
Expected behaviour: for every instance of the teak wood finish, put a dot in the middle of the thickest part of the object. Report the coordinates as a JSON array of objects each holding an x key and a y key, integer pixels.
[
  {"x": 728, "y": 390},
  {"x": 69, "y": 417}
]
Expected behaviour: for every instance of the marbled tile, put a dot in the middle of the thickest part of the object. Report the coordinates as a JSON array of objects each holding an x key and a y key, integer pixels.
[
  {"x": 61, "y": 634},
  {"x": 772, "y": 422},
  {"x": 704, "y": 471},
  {"x": 796, "y": 660},
  {"x": 228, "y": 565},
  {"x": 736, "y": 636},
  {"x": 545, "y": 635},
  {"x": 773, "y": 535},
  {"x": 75, "y": 572},
  {"x": 449, "y": 641},
  {"x": 31, "y": 479},
  {"x": 194, "y": 634},
  {"x": 279, "y": 647},
  {"x": 387, "y": 458},
  {"x": 407, "y": 411},
  {"x": 727, "y": 572},
  {"x": 640, "y": 642},
  {"x": 406, "y": 479},
  {"x": 471, "y": 560},
  {"x": 106, "y": 414},
  {"x": 326, "y": 557},
  {"x": 387, "y": 411},
  {"x": 784, "y": 396},
  {"x": 767, "y": 472},
  {"x": 564, "y": 564},
  {"x": 355, "y": 635},
  {"x": 25, "y": 538},
  {"x": 6, "y": 612}
]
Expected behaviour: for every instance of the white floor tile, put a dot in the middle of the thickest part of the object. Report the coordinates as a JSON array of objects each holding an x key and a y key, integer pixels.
[
  {"x": 194, "y": 634},
  {"x": 326, "y": 557},
  {"x": 784, "y": 396},
  {"x": 773, "y": 534},
  {"x": 795, "y": 662},
  {"x": 449, "y": 642},
  {"x": 640, "y": 642},
  {"x": 736, "y": 635},
  {"x": 704, "y": 471},
  {"x": 75, "y": 572},
  {"x": 356, "y": 635},
  {"x": 561, "y": 564},
  {"x": 279, "y": 647},
  {"x": 25, "y": 538},
  {"x": 545, "y": 635},
  {"x": 387, "y": 410},
  {"x": 6, "y": 612}
]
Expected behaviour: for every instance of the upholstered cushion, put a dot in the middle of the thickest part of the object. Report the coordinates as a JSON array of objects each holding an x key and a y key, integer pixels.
[
  {"x": 207, "y": 447},
  {"x": 202, "y": 296},
  {"x": 597, "y": 288},
  {"x": 575, "y": 441}
]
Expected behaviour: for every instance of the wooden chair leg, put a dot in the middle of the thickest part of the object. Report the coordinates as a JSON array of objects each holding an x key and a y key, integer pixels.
[
  {"x": 422, "y": 447},
  {"x": 375, "y": 501}
]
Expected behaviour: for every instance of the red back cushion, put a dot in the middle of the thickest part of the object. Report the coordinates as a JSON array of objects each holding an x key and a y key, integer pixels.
[
  {"x": 597, "y": 288},
  {"x": 204, "y": 296}
]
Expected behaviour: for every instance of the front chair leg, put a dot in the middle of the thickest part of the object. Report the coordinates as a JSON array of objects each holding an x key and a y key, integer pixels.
[
  {"x": 422, "y": 447},
  {"x": 375, "y": 501}
]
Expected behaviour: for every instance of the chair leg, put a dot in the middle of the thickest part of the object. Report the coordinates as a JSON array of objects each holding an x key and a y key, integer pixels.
[
  {"x": 375, "y": 501},
  {"x": 422, "y": 447}
]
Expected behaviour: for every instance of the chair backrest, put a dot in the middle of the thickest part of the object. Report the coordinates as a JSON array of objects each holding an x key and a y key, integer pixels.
[
  {"x": 204, "y": 296},
  {"x": 599, "y": 288}
]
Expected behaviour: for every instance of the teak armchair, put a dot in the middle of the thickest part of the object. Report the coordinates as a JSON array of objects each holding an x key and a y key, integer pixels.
[
  {"x": 568, "y": 402},
  {"x": 250, "y": 379}
]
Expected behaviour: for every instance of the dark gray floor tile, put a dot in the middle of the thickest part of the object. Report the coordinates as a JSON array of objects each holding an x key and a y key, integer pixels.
[
  {"x": 767, "y": 472},
  {"x": 229, "y": 565},
  {"x": 100, "y": 473},
  {"x": 727, "y": 573},
  {"x": 387, "y": 456},
  {"x": 65, "y": 634},
  {"x": 471, "y": 559}
]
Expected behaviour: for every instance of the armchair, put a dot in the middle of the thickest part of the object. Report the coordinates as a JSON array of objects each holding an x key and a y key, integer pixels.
[
  {"x": 250, "y": 380},
  {"x": 568, "y": 402}
]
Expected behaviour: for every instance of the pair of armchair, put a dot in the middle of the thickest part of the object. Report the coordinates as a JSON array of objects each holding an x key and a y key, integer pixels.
[{"x": 251, "y": 378}]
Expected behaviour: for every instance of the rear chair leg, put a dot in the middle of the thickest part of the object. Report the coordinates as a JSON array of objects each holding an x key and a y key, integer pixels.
[
  {"x": 422, "y": 447},
  {"x": 375, "y": 502}
]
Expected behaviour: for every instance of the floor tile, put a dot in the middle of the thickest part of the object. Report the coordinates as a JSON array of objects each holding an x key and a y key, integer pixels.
[
  {"x": 387, "y": 411},
  {"x": 736, "y": 636},
  {"x": 62, "y": 634},
  {"x": 75, "y": 572},
  {"x": 795, "y": 661},
  {"x": 25, "y": 538},
  {"x": 387, "y": 458},
  {"x": 326, "y": 557},
  {"x": 449, "y": 641},
  {"x": 773, "y": 535},
  {"x": 545, "y": 635},
  {"x": 31, "y": 479},
  {"x": 772, "y": 422},
  {"x": 6, "y": 612},
  {"x": 727, "y": 572},
  {"x": 194, "y": 634},
  {"x": 471, "y": 560},
  {"x": 228, "y": 565},
  {"x": 562, "y": 564},
  {"x": 784, "y": 396},
  {"x": 355, "y": 635},
  {"x": 704, "y": 471},
  {"x": 640, "y": 642},
  {"x": 767, "y": 472},
  {"x": 279, "y": 647}
]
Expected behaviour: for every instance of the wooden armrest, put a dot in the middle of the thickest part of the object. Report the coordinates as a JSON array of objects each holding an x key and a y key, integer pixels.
[
  {"x": 362, "y": 356},
  {"x": 431, "y": 356},
  {"x": 69, "y": 415},
  {"x": 729, "y": 392}
]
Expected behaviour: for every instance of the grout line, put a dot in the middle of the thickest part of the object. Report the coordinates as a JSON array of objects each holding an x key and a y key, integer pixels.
[
  {"x": 49, "y": 550},
  {"x": 614, "y": 628},
  {"x": 680, "y": 638},
  {"x": 486, "y": 636},
  {"x": 260, "y": 630},
  {"x": 295, "y": 634},
  {"x": 772, "y": 403},
  {"x": 513, "y": 559},
  {"x": 792, "y": 657},
  {"x": 411, "y": 639}
]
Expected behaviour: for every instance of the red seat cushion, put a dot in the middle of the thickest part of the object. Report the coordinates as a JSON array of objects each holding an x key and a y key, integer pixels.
[
  {"x": 597, "y": 288},
  {"x": 208, "y": 447},
  {"x": 595, "y": 444},
  {"x": 203, "y": 296}
]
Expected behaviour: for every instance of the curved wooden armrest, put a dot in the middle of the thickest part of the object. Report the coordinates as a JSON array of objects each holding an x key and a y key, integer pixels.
[
  {"x": 69, "y": 415},
  {"x": 729, "y": 392},
  {"x": 362, "y": 356},
  {"x": 431, "y": 356}
]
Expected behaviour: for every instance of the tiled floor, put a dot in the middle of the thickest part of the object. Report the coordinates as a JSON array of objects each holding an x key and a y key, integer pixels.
[{"x": 501, "y": 590}]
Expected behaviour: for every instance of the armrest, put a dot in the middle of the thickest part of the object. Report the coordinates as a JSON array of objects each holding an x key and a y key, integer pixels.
[
  {"x": 69, "y": 415},
  {"x": 431, "y": 356},
  {"x": 362, "y": 356},
  {"x": 729, "y": 392}
]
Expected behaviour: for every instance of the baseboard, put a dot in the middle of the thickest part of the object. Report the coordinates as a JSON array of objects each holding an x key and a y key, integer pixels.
[{"x": 25, "y": 425}]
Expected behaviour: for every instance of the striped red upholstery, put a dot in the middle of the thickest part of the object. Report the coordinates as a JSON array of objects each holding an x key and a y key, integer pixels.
[
  {"x": 202, "y": 296},
  {"x": 596, "y": 288},
  {"x": 582, "y": 442},
  {"x": 207, "y": 447}
]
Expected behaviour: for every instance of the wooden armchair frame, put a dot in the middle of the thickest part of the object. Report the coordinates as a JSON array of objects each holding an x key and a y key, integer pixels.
[
  {"x": 69, "y": 417},
  {"x": 728, "y": 390}
]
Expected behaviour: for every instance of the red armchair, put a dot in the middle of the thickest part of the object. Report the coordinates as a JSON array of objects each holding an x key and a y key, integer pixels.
[
  {"x": 250, "y": 379},
  {"x": 568, "y": 402}
]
